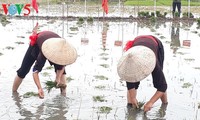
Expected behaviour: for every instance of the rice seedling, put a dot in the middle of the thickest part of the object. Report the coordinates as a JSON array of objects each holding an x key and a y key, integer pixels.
[
  {"x": 19, "y": 42},
  {"x": 101, "y": 77},
  {"x": 69, "y": 79},
  {"x": 186, "y": 85},
  {"x": 49, "y": 85},
  {"x": 104, "y": 65},
  {"x": 9, "y": 48},
  {"x": 101, "y": 87},
  {"x": 30, "y": 94},
  {"x": 198, "y": 68},
  {"x": 105, "y": 109},
  {"x": 99, "y": 99},
  {"x": 1, "y": 54},
  {"x": 49, "y": 68},
  {"x": 73, "y": 28},
  {"x": 104, "y": 58},
  {"x": 140, "y": 105},
  {"x": 103, "y": 54},
  {"x": 45, "y": 74},
  {"x": 189, "y": 59}
]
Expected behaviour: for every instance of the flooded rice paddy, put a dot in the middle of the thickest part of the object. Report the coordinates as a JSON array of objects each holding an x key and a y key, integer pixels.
[{"x": 94, "y": 90}]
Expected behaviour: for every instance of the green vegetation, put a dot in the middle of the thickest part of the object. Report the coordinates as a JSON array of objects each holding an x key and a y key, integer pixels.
[
  {"x": 126, "y": 2},
  {"x": 105, "y": 109},
  {"x": 158, "y": 3},
  {"x": 45, "y": 74},
  {"x": 9, "y": 48},
  {"x": 50, "y": 84},
  {"x": 30, "y": 94},
  {"x": 99, "y": 99},
  {"x": 101, "y": 87},
  {"x": 69, "y": 79},
  {"x": 198, "y": 21},
  {"x": 101, "y": 77},
  {"x": 104, "y": 65},
  {"x": 90, "y": 19},
  {"x": 49, "y": 68},
  {"x": 186, "y": 85}
]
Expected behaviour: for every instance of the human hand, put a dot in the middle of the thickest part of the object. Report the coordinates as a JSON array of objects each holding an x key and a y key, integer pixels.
[
  {"x": 148, "y": 106},
  {"x": 40, "y": 93},
  {"x": 134, "y": 103}
]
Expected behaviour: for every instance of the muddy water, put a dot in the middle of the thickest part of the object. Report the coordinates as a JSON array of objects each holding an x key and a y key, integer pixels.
[{"x": 94, "y": 72}]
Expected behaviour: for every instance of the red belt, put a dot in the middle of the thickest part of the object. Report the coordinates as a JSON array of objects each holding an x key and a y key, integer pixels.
[{"x": 130, "y": 43}]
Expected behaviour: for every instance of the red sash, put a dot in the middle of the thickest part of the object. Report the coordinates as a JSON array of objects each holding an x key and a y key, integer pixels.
[{"x": 130, "y": 43}]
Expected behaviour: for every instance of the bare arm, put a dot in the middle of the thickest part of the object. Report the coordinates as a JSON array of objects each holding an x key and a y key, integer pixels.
[
  {"x": 132, "y": 93},
  {"x": 37, "y": 82},
  {"x": 153, "y": 99}
]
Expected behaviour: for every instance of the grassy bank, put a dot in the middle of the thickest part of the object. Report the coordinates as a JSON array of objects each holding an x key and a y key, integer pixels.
[{"x": 158, "y": 3}]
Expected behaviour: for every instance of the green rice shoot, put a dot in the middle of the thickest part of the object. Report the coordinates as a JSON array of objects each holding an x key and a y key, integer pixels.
[
  {"x": 30, "y": 94},
  {"x": 49, "y": 85}
]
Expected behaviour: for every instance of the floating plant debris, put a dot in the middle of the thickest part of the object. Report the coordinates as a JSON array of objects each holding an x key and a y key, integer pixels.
[{"x": 30, "y": 94}]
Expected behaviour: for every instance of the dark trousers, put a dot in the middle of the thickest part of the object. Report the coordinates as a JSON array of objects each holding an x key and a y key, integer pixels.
[
  {"x": 29, "y": 59},
  {"x": 27, "y": 63},
  {"x": 178, "y": 5}
]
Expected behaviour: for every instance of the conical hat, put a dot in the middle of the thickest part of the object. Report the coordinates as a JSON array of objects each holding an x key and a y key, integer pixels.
[
  {"x": 136, "y": 64},
  {"x": 59, "y": 51}
]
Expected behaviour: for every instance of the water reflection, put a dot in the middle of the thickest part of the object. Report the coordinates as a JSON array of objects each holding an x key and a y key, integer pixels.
[
  {"x": 104, "y": 34},
  {"x": 175, "y": 40},
  {"x": 25, "y": 112},
  {"x": 134, "y": 114},
  {"x": 54, "y": 108},
  {"x": 84, "y": 39}
]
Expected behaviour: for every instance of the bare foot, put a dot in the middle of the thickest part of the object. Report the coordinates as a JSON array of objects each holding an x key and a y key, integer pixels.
[
  {"x": 63, "y": 91},
  {"x": 61, "y": 85}
]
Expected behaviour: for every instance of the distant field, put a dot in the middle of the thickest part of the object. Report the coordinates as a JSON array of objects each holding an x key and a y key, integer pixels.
[
  {"x": 159, "y": 2},
  {"x": 127, "y": 2}
]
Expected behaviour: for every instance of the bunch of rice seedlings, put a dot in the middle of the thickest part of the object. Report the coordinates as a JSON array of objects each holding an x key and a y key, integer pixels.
[
  {"x": 50, "y": 84},
  {"x": 140, "y": 105}
]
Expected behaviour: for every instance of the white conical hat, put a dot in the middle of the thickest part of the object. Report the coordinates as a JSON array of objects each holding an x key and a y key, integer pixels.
[
  {"x": 59, "y": 51},
  {"x": 136, "y": 64}
]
